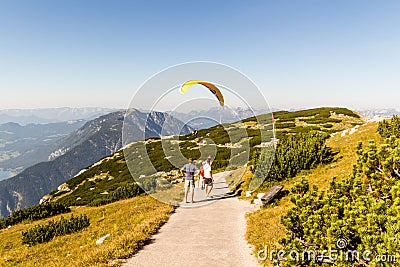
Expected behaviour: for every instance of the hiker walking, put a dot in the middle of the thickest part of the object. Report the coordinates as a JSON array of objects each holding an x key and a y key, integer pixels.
[
  {"x": 208, "y": 177},
  {"x": 189, "y": 169},
  {"x": 201, "y": 178}
]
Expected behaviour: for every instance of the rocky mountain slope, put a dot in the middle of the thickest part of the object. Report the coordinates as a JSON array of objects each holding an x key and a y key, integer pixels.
[
  {"x": 202, "y": 119},
  {"x": 95, "y": 140}
]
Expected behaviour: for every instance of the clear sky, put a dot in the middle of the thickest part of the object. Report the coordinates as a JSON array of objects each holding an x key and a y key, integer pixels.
[{"x": 307, "y": 53}]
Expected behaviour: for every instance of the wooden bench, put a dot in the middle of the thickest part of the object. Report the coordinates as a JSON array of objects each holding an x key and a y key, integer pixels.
[{"x": 271, "y": 194}]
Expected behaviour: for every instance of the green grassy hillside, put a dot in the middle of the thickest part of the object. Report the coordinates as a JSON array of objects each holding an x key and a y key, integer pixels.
[
  {"x": 264, "y": 225},
  {"x": 133, "y": 216},
  {"x": 129, "y": 222},
  {"x": 98, "y": 182}
]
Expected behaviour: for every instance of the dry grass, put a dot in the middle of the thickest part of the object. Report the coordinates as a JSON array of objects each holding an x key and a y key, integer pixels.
[
  {"x": 264, "y": 227},
  {"x": 172, "y": 196},
  {"x": 347, "y": 157},
  {"x": 129, "y": 222}
]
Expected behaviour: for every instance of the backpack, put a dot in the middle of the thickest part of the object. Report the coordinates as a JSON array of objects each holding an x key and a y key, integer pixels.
[{"x": 201, "y": 171}]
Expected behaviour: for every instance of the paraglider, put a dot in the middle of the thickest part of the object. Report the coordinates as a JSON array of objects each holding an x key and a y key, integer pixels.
[{"x": 213, "y": 89}]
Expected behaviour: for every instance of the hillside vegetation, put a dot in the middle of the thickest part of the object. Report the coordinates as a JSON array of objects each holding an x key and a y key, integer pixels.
[
  {"x": 133, "y": 216},
  {"x": 265, "y": 227},
  {"x": 95, "y": 184},
  {"x": 362, "y": 209},
  {"x": 129, "y": 222},
  {"x": 90, "y": 143},
  {"x": 327, "y": 120},
  {"x": 33, "y": 213}
]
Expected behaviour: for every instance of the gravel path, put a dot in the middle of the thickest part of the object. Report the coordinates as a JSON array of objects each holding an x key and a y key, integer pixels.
[{"x": 202, "y": 235}]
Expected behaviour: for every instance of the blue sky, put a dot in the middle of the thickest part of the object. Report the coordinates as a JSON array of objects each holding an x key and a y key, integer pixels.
[{"x": 305, "y": 53}]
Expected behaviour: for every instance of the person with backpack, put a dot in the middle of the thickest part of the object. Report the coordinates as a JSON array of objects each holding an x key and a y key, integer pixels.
[
  {"x": 201, "y": 178},
  {"x": 189, "y": 169}
]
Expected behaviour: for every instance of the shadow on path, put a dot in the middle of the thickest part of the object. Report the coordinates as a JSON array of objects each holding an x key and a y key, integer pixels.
[{"x": 209, "y": 232}]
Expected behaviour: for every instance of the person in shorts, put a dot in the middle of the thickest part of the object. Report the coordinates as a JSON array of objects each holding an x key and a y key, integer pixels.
[
  {"x": 208, "y": 177},
  {"x": 189, "y": 169}
]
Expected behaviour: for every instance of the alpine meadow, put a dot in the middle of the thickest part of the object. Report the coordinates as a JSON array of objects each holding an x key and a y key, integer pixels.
[{"x": 339, "y": 174}]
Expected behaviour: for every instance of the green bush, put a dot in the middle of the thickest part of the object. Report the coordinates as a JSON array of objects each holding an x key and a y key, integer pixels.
[
  {"x": 293, "y": 153},
  {"x": 94, "y": 198},
  {"x": 284, "y": 125},
  {"x": 45, "y": 232},
  {"x": 390, "y": 128},
  {"x": 99, "y": 202},
  {"x": 319, "y": 120},
  {"x": 302, "y": 129},
  {"x": 362, "y": 209},
  {"x": 33, "y": 213}
]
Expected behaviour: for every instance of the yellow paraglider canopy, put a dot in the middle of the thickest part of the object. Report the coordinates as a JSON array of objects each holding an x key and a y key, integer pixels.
[{"x": 213, "y": 89}]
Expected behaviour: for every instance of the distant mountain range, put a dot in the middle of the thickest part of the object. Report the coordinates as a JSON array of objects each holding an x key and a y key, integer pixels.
[
  {"x": 49, "y": 115},
  {"x": 379, "y": 112},
  {"x": 24, "y": 146},
  {"x": 202, "y": 119},
  {"x": 86, "y": 145}
]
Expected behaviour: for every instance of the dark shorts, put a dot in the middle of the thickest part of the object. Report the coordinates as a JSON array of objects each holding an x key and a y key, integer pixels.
[{"x": 208, "y": 181}]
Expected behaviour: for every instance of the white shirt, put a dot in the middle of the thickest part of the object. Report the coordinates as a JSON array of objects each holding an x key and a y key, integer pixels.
[{"x": 207, "y": 170}]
